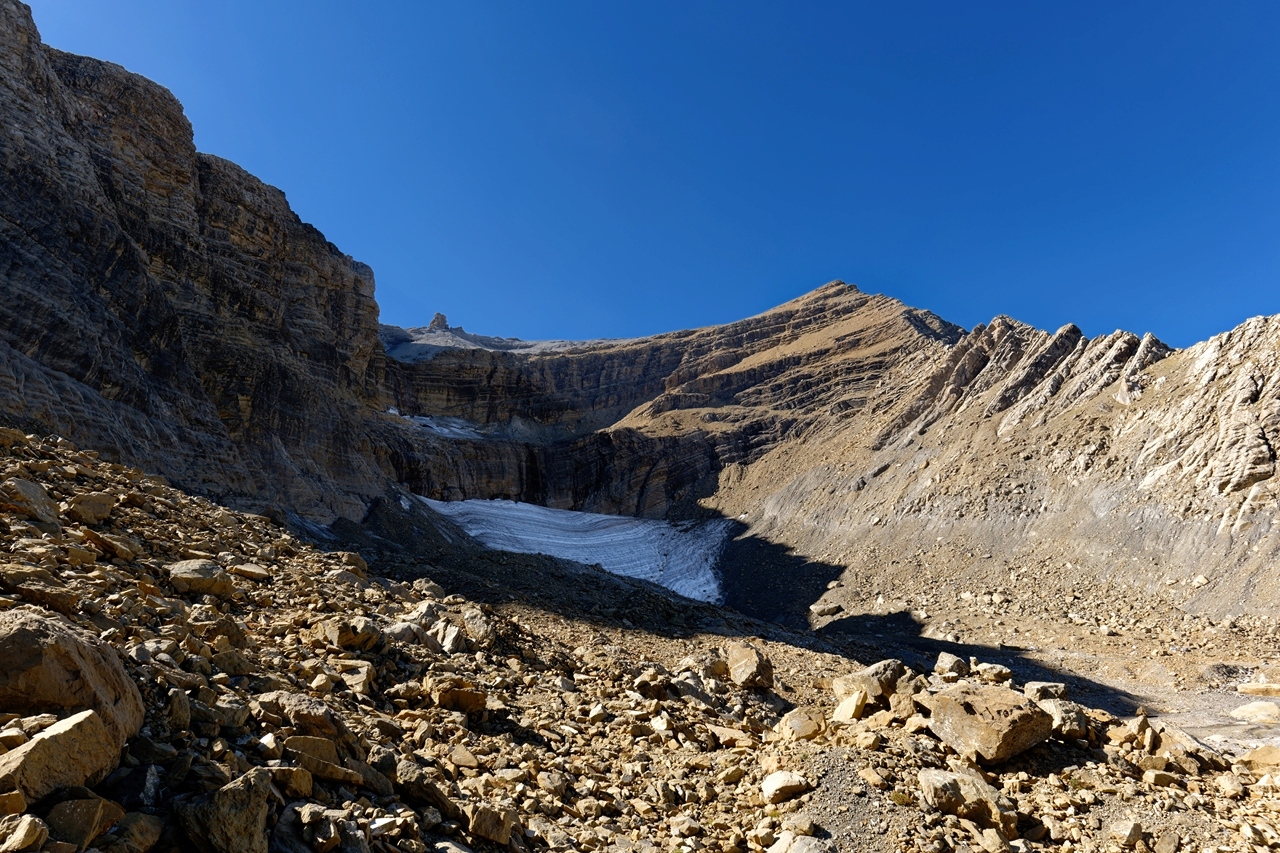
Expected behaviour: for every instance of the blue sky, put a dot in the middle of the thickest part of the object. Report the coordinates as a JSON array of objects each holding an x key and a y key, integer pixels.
[{"x": 577, "y": 170}]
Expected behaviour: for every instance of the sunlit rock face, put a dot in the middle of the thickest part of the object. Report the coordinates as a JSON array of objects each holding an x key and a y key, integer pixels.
[{"x": 170, "y": 310}]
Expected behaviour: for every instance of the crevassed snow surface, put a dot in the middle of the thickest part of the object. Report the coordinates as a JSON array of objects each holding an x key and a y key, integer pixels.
[{"x": 681, "y": 557}]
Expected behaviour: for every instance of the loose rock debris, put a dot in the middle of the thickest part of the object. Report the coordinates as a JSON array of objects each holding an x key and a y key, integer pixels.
[{"x": 177, "y": 676}]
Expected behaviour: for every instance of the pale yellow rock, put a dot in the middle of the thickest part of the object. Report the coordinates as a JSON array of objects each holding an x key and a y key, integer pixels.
[
  {"x": 1258, "y": 712},
  {"x": 75, "y": 751},
  {"x": 783, "y": 785},
  {"x": 1258, "y": 689},
  {"x": 851, "y": 706},
  {"x": 800, "y": 724}
]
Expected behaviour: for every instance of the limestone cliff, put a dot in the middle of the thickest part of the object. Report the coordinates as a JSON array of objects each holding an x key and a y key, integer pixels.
[
  {"x": 168, "y": 309},
  {"x": 165, "y": 306}
]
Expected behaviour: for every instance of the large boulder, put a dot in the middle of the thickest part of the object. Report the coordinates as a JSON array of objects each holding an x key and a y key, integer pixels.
[
  {"x": 232, "y": 819},
  {"x": 75, "y": 751},
  {"x": 991, "y": 724},
  {"x": 49, "y": 666},
  {"x": 876, "y": 681},
  {"x": 970, "y": 798},
  {"x": 27, "y": 498},
  {"x": 200, "y": 577},
  {"x": 748, "y": 667}
]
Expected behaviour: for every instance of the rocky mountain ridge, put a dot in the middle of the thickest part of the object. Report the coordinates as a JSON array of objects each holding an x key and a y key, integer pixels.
[{"x": 167, "y": 309}]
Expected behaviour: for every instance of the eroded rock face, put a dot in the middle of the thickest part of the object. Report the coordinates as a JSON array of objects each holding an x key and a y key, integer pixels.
[
  {"x": 47, "y": 665},
  {"x": 149, "y": 290}
]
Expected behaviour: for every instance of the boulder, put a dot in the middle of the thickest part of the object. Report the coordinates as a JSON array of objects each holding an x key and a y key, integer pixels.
[
  {"x": 359, "y": 633},
  {"x": 782, "y": 785},
  {"x": 22, "y": 832},
  {"x": 850, "y": 707},
  {"x": 80, "y": 821},
  {"x": 992, "y": 724},
  {"x": 485, "y": 821},
  {"x": 800, "y": 724},
  {"x": 27, "y": 498},
  {"x": 949, "y": 664},
  {"x": 232, "y": 819},
  {"x": 970, "y": 798},
  {"x": 200, "y": 577},
  {"x": 1069, "y": 719},
  {"x": 877, "y": 681},
  {"x": 91, "y": 507},
  {"x": 47, "y": 665},
  {"x": 76, "y": 751},
  {"x": 748, "y": 667},
  {"x": 417, "y": 787}
]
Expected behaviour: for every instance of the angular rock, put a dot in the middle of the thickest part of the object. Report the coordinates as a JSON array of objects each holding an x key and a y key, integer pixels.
[
  {"x": 76, "y": 751},
  {"x": 307, "y": 714},
  {"x": 22, "y": 832},
  {"x": 850, "y": 707},
  {"x": 416, "y": 786},
  {"x": 1069, "y": 719},
  {"x": 359, "y": 633},
  {"x": 878, "y": 680},
  {"x": 748, "y": 667},
  {"x": 200, "y": 577},
  {"x": 1037, "y": 690},
  {"x": 234, "y": 662},
  {"x": 91, "y": 507},
  {"x": 39, "y": 586},
  {"x": 988, "y": 723},
  {"x": 783, "y": 785},
  {"x": 970, "y": 798},
  {"x": 800, "y": 724},
  {"x": 12, "y": 803},
  {"x": 232, "y": 819},
  {"x": 949, "y": 664},
  {"x": 78, "y": 821},
  {"x": 294, "y": 782},
  {"x": 1126, "y": 833},
  {"x": 487, "y": 822},
  {"x": 27, "y": 498}
]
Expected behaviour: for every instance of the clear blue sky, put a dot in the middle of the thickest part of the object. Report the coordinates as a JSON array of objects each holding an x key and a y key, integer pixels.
[{"x": 549, "y": 169}]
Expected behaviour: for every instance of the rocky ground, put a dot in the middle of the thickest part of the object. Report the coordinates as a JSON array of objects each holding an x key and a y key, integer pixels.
[{"x": 177, "y": 676}]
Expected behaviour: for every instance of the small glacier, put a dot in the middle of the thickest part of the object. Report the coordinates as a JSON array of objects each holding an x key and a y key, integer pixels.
[{"x": 680, "y": 556}]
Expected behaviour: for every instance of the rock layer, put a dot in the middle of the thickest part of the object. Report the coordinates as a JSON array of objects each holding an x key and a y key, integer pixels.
[{"x": 166, "y": 308}]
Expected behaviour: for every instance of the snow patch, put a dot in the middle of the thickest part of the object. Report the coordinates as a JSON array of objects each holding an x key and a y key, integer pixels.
[{"x": 680, "y": 556}]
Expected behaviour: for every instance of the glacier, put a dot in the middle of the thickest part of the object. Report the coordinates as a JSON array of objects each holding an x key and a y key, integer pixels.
[{"x": 681, "y": 556}]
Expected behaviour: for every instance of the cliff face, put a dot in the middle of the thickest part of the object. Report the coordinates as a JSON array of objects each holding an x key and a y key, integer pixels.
[
  {"x": 644, "y": 427},
  {"x": 164, "y": 305},
  {"x": 168, "y": 309}
]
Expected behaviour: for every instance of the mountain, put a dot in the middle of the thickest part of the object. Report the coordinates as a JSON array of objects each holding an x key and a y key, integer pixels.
[{"x": 169, "y": 310}]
